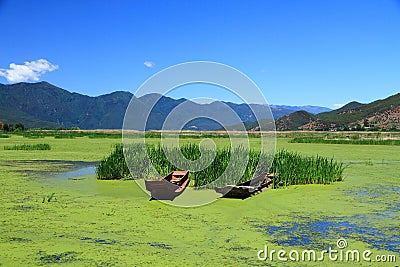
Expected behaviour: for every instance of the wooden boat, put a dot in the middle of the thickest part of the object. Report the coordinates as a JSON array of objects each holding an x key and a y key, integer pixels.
[
  {"x": 246, "y": 189},
  {"x": 169, "y": 187}
]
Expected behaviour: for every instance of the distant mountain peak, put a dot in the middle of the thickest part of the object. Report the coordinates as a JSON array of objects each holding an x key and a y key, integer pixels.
[
  {"x": 309, "y": 108},
  {"x": 294, "y": 120},
  {"x": 350, "y": 106}
]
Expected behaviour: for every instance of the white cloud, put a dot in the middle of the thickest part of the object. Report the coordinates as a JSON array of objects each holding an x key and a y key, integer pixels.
[
  {"x": 149, "y": 64},
  {"x": 338, "y": 105},
  {"x": 29, "y": 71}
]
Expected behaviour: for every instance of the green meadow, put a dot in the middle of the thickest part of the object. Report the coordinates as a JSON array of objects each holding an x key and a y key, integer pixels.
[{"x": 48, "y": 219}]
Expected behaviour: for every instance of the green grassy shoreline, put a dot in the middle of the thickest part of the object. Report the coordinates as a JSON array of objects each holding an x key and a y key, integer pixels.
[{"x": 385, "y": 142}]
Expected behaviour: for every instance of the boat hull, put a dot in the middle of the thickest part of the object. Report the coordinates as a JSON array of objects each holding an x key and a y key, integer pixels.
[
  {"x": 169, "y": 187},
  {"x": 246, "y": 189}
]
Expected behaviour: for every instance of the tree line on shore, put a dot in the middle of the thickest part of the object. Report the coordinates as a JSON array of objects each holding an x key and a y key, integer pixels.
[{"x": 9, "y": 127}]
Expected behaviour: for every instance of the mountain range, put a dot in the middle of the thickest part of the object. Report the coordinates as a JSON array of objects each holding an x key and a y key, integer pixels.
[
  {"x": 43, "y": 105},
  {"x": 380, "y": 114}
]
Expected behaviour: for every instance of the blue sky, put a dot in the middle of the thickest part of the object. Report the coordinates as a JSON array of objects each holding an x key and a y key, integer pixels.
[{"x": 298, "y": 52}]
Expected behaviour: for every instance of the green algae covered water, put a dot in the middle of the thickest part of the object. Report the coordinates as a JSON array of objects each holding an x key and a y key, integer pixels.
[{"x": 54, "y": 211}]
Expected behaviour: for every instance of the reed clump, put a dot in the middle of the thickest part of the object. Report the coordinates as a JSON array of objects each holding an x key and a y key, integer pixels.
[
  {"x": 289, "y": 168},
  {"x": 28, "y": 147},
  {"x": 114, "y": 166}
]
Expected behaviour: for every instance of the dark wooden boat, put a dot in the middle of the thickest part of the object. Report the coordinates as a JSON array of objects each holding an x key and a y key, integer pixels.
[
  {"x": 169, "y": 187},
  {"x": 246, "y": 189}
]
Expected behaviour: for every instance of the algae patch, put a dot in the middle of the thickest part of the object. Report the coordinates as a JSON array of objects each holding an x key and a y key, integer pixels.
[
  {"x": 65, "y": 257},
  {"x": 312, "y": 234}
]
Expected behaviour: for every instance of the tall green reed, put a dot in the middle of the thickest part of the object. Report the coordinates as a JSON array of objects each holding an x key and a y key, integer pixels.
[{"x": 150, "y": 161}]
